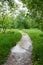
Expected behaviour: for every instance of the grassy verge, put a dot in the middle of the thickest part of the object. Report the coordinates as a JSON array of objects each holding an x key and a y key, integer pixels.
[
  {"x": 37, "y": 39},
  {"x": 7, "y": 41}
]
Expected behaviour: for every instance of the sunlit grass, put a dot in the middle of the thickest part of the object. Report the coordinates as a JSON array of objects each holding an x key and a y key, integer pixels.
[
  {"x": 37, "y": 40},
  {"x": 7, "y": 41}
]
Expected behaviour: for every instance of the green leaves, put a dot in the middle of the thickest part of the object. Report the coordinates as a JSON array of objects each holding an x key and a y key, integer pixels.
[
  {"x": 11, "y": 3},
  {"x": 34, "y": 5}
]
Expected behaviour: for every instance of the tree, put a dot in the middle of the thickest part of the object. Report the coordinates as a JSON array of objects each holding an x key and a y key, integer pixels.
[
  {"x": 35, "y": 7},
  {"x": 5, "y": 19}
]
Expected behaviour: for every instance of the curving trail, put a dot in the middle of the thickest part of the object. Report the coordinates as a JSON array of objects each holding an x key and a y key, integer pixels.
[{"x": 21, "y": 53}]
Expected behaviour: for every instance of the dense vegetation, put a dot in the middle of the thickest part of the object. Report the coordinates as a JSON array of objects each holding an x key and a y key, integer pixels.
[
  {"x": 32, "y": 19},
  {"x": 35, "y": 7},
  {"x": 7, "y": 41},
  {"x": 37, "y": 40},
  {"x": 21, "y": 21}
]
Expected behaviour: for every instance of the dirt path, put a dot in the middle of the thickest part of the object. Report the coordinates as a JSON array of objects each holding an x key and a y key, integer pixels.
[{"x": 21, "y": 53}]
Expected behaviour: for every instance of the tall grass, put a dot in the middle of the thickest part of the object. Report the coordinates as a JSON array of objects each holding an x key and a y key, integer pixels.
[
  {"x": 7, "y": 41},
  {"x": 37, "y": 39}
]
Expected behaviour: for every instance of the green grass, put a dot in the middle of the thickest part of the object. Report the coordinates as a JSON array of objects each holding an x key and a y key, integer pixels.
[
  {"x": 37, "y": 39},
  {"x": 7, "y": 41}
]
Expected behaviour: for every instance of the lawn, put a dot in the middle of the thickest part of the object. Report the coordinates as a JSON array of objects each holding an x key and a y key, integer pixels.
[
  {"x": 37, "y": 40},
  {"x": 7, "y": 41}
]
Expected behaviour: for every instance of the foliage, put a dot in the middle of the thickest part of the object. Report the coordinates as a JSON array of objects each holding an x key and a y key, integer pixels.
[
  {"x": 10, "y": 2},
  {"x": 21, "y": 21},
  {"x": 37, "y": 39},
  {"x": 5, "y": 22},
  {"x": 32, "y": 20},
  {"x": 35, "y": 7},
  {"x": 7, "y": 41},
  {"x": 7, "y": 7},
  {"x": 25, "y": 21}
]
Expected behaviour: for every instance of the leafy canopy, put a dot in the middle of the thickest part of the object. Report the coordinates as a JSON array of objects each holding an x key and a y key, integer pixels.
[{"x": 34, "y": 6}]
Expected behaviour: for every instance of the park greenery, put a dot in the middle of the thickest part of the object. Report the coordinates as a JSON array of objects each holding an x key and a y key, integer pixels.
[
  {"x": 35, "y": 7},
  {"x": 7, "y": 41},
  {"x": 30, "y": 22},
  {"x": 37, "y": 39}
]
